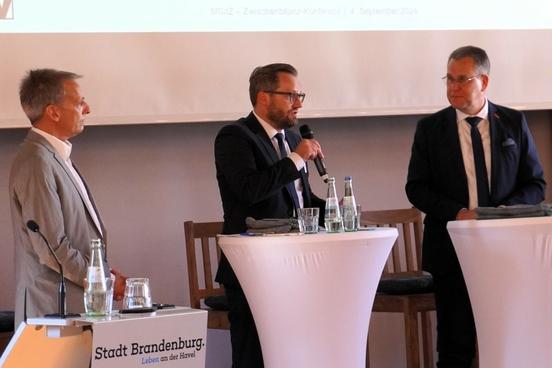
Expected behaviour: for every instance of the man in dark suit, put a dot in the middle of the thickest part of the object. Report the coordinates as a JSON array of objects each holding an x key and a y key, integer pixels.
[
  {"x": 257, "y": 179},
  {"x": 471, "y": 154}
]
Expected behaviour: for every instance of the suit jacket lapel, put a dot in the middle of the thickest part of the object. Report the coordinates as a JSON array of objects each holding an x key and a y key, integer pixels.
[
  {"x": 92, "y": 202},
  {"x": 452, "y": 141},
  {"x": 451, "y": 145},
  {"x": 256, "y": 131},
  {"x": 77, "y": 187},
  {"x": 261, "y": 138},
  {"x": 497, "y": 136},
  {"x": 37, "y": 138}
]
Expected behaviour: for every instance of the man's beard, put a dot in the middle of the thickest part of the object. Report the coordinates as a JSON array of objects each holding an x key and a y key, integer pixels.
[{"x": 282, "y": 119}]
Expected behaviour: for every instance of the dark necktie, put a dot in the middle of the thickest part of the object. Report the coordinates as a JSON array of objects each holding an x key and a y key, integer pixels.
[
  {"x": 479, "y": 160},
  {"x": 289, "y": 186}
]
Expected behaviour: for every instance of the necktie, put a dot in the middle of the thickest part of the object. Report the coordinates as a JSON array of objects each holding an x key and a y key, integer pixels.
[
  {"x": 289, "y": 186},
  {"x": 479, "y": 160}
]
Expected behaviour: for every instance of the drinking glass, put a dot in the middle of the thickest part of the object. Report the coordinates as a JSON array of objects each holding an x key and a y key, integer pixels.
[
  {"x": 359, "y": 211},
  {"x": 308, "y": 220},
  {"x": 137, "y": 293}
]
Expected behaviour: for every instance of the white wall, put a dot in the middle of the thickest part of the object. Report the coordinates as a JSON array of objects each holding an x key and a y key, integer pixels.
[{"x": 148, "y": 179}]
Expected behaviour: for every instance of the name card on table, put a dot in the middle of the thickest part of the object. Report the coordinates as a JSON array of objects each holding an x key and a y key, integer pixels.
[{"x": 166, "y": 340}]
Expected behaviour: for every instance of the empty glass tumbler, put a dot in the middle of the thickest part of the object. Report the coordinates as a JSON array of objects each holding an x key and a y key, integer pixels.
[
  {"x": 137, "y": 293},
  {"x": 308, "y": 220}
]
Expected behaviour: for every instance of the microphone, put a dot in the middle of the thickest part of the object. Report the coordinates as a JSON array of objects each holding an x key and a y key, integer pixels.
[
  {"x": 306, "y": 133},
  {"x": 33, "y": 226}
]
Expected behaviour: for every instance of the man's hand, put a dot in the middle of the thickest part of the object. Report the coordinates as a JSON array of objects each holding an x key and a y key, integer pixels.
[
  {"x": 309, "y": 149},
  {"x": 465, "y": 214},
  {"x": 119, "y": 286}
]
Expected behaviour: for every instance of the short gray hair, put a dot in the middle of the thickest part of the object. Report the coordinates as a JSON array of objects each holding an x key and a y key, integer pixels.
[
  {"x": 265, "y": 78},
  {"x": 478, "y": 55},
  {"x": 40, "y": 88}
]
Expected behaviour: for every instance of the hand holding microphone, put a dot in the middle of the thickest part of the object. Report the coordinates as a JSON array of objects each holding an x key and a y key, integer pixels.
[
  {"x": 312, "y": 150},
  {"x": 309, "y": 149}
]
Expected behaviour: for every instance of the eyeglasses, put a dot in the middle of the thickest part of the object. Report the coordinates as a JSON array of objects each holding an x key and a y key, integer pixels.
[
  {"x": 292, "y": 96},
  {"x": 461, "y": 81}
]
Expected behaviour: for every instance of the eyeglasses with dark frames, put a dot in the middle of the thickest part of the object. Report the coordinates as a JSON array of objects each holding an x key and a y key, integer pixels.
[{"x": 292, "y": 96}]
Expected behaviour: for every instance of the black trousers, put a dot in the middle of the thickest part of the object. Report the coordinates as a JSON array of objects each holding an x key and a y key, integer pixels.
[
  {"x": 456, "y": 336},
  {"x": 246, "y": 348}
]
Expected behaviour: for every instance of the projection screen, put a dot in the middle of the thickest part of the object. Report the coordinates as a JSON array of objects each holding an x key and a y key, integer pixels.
[{"x": 174, "y": 61}]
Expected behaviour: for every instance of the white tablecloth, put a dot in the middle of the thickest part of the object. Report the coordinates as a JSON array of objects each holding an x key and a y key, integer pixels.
[
  {"x": 311, "y": 295},
  {"x": 507, "y": 265}
]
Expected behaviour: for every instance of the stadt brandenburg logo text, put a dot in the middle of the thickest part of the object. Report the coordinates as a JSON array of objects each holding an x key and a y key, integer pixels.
[{"x": 6, "y": 9}]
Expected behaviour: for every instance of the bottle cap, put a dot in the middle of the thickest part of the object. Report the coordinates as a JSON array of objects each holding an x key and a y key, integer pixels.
[{"x": 348, "y": 178}]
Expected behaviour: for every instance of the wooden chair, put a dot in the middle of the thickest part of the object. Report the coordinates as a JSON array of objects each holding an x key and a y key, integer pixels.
[
  {"x": 209, "y": 290},
  {"x": 404, "y": 288}
]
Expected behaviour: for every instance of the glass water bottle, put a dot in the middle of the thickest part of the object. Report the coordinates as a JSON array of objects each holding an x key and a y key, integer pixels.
[
  {"x": 95, "y": 292},
  {"x": 349, "y": 207},
  {"x": 332, "y": 217}
]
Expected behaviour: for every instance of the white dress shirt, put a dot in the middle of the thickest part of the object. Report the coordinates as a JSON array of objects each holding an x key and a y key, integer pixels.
[{"x": 464, "y": 133}]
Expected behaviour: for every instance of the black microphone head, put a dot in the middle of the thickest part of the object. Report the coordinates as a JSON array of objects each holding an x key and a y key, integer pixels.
[
  {"x": 306, "y": 132},
  {"x": 33, "y": 226}
]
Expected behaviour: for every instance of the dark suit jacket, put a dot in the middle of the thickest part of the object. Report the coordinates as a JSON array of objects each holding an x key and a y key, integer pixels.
[
  {"x": 252, "y": 180},
  {"x": 437, "y": 182}
]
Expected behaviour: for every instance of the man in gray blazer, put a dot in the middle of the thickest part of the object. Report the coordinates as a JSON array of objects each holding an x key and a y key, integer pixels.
[{"x": 45, "y": 186}]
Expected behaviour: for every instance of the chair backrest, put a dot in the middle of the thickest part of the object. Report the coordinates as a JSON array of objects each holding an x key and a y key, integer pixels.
[
  {"x": 204, "y": 234},
  {"x": 406, "y": 255}
]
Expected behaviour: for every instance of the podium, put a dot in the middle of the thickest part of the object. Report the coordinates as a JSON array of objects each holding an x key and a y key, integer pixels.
[
  {"x": 507, "y": 265},
  {"x": 174, "y": 337},
  {"x": 311, "y": 296}
]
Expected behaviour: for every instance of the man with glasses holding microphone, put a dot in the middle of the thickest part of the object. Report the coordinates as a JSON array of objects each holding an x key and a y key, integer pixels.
[
  {"x": 261, "y": 173},
  {"x": 471, "y": 154}
]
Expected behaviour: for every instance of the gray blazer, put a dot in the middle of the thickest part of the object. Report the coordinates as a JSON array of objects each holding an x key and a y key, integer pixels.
[{"x": 42, "y": 188}]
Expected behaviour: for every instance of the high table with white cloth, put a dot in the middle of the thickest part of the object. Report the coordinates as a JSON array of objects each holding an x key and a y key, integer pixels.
[
  {"x": 507, "y": 265},
  {"x": 311, "y": 295}
]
